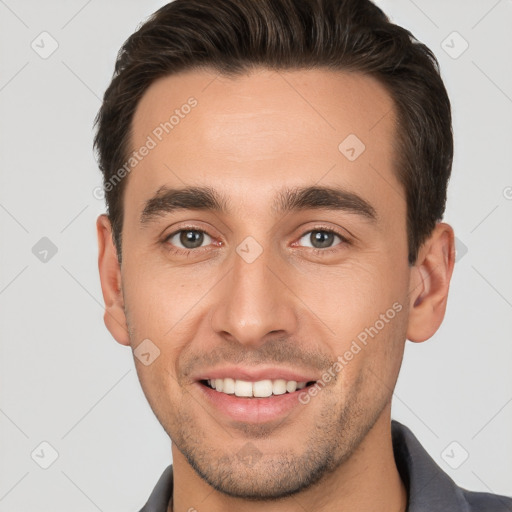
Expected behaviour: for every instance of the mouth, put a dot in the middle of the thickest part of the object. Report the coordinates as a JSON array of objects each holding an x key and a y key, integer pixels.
[{"x": 254, "y": 402}]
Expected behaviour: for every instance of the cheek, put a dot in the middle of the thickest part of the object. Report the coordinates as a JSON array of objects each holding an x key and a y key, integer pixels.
[
  {"x": 363, "y": 307},
  {"x": 165, "y": 305},
  {"x": 350, "y": 297},
  {"x": 158, "y": 296},
  {"x": 375, "y": 352},
  {"x": 161, "y": 390}
]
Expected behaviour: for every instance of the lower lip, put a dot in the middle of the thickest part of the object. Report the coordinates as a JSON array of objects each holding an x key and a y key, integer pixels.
[{"x": 252, "y": 410}]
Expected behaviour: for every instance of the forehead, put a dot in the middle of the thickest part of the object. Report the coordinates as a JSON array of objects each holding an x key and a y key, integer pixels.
[{"x": 254, "y": 131}]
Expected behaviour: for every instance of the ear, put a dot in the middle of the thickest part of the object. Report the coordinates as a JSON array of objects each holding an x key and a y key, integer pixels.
[
  {"x": 429, "y": 283},
  {"x": 110, "y": 277}
]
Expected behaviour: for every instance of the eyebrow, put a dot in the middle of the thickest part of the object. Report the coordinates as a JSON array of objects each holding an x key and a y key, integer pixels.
[{"x": 168, "y": 200}]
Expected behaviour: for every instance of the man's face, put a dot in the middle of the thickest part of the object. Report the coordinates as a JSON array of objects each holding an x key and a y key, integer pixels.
[{"x": 259, "y": 291}]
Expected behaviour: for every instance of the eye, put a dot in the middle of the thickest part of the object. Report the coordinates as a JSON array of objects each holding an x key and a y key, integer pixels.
[
  {"x": 321, "y": 238},
  {"x": 189, "y": 238}
]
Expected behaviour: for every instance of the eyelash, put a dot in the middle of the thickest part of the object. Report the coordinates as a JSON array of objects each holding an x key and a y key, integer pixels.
[{"x": 187, "y": 252}]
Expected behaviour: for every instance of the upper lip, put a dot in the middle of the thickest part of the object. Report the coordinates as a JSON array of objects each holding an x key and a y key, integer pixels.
[{"x": 255, "y": 374}]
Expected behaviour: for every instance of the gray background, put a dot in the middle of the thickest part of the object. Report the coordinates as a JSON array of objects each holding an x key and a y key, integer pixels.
[{"x": 65, "y": 381}]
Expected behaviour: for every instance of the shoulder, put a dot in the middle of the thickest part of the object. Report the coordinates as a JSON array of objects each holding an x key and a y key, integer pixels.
[
  {"x": 486, "y": 502},
  {"x": 429, "y": 488}
]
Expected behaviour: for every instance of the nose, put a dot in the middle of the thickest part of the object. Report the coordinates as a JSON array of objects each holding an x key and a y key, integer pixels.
[{"x": 254, "y": 301}]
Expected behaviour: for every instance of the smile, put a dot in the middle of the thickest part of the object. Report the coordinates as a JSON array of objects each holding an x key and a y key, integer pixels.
[{"x": 253, "y": 402}]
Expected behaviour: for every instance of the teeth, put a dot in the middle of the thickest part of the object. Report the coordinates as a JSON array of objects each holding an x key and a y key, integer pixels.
[
  {"x": 262, "y": 388},
  {"x": 291, "y": 386},
  {"x": 243, "y": 388},
  {"x": 259, "y": 389},
  {"x": 229, "y": 386},
  {"x": 279, "y": 387}
]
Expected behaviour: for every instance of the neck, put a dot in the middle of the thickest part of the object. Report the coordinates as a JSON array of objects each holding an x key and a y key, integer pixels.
[{"x": 367, "y": 481}]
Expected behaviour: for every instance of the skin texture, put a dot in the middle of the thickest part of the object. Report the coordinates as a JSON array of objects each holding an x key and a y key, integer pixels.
[{"x": 248, "y": 137}]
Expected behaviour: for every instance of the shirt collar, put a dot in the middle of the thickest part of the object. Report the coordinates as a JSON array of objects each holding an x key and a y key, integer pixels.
[
  {"x": 161, "y": 495},
  {"x": 428, "y": 486}
]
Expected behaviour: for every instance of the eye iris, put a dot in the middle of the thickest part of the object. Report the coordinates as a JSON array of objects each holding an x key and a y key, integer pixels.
[
  {"x": 191, "y": 239},
  {"x": 323, "y": 238}
]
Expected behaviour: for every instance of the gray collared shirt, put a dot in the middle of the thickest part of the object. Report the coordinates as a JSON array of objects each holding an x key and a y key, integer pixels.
[{"x": 429, "y": 488}]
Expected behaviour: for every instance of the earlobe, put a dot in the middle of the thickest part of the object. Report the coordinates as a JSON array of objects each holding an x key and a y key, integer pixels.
[
  {"x": 110, "y": 277},
  {"x": 430, "y": 282}
]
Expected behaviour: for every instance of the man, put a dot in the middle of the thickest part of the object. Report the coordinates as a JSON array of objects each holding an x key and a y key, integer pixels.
[{"x": 275, "y": 175}]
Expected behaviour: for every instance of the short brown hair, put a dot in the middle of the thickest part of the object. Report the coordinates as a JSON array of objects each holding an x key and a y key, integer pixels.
[{"x": 233, "y": 36}]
